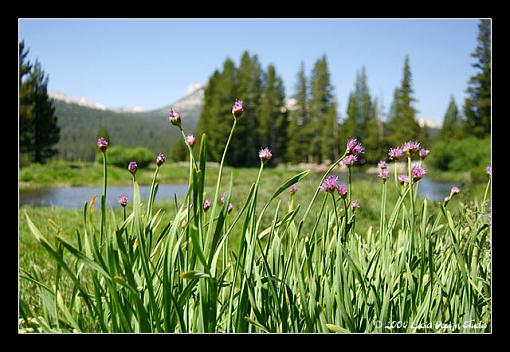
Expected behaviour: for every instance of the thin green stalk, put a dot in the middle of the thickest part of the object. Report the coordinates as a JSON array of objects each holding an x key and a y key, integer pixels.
[{"x": 411, "y": 197}]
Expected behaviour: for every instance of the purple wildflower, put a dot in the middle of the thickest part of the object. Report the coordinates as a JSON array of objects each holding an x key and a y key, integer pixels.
[
  {"x": 132, "y": 167},
  {"x": 382, "y": 164},
  {"x": 342, "y": 191},
  {"x": 161, "y": 158},
  {"x": 265, "y": 154},
  {"x": 222, "y": 198},
  {"x": 418, "y": 172},
  {"x": 354, "y": 205},
  {"x": 354, "y": 147},
  {"x": 403, "y": 179},
  {"x": 123, "y": 200},
  {"x": 423, "y": 153},
  {"x": 383, "y": 174},
  {"x": 174, "y": 117},
  {"x": 395, "y": 153},
  {"x": 488, "y": 170},
  {"x": 207, "y": 204},
  {"x": 230, "y": 207},
  {"x": 190, "y": 139},
  {"x": 102, "y": 144},
  {"x": 349, "y": 160},
  {"x": 454, "y": 191},
  {"x": 330, "y": 184},
  {"x": 293, "y": 188},
  {"x": 410, "y": 148},
  {"x": 237, "y": 109},
  {"x": 446, "y": 200}
]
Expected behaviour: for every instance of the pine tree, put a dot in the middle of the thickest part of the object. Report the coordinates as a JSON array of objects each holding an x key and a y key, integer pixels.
[
  {"x": 451, "y": 122},
  {"x": 26, "y": 97},
  {"x": 403, "y": 123},
  {"x": 244, "y": 145},
  {"x": 349, "y": 127},
  {"x": 272, "y": 116},
  {"x": 321, "y": 96},
  {"x": 477, "y": 107},
  {"x": 46, "y": 129},
  {"x": 330, "y": 135},
  {"x": 298, "y": 137}
]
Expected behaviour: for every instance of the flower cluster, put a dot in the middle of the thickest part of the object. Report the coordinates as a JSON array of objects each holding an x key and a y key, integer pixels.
[
  {"x": 237, "y": 109},
  {"x": 123, "y": 200},
  {"x": 293, "y": 188},
  {"x": 174, "y": 117},
  {"x": 354, "y": 147},
  {"x": 395, "y": 153},
  {"x": 410, "y": 148},
  {"x": 354, "y": 205},
  {"x": 383, "y": 173},
  {"x": 330, "y": 184},
  {"x": 160, "y": 159},
  {"x": 488, "y": 170},
  {"x": 349, "y": 160},
  {"x": 342, "y": 191},
  {"x": 423, "y": 153},
  {"x": 265, "y": 154},
  {"x": 207, "y": 204},
  {"x": 403, "y": 179},
  {"x": 102, "y": 144},
  {"x": 418, "y": 172},
  {"x": 132, "y": 167},
  {"x": 453, "y": 192}
]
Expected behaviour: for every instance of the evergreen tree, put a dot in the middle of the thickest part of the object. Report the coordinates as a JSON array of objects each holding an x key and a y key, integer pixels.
[
  {"x": 46, "y": 129},
  {"x": 244, "y": 144},
  {"x": 349, "y": 127},
  {"x": 321, "y": 96},
  {"x": 26, "y": 97},
  {"x": 403, "y": 123},
  {"x": 477, "y": 107},
  {"x": 330, "y": 135},
  {"x": 272, "y": 117},
  {"x": 451, "y": 122},
  {"x": 298, "y": 136}
]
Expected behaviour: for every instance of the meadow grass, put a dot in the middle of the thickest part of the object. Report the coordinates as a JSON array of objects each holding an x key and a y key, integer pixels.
[{"x": 279, "y": 262}]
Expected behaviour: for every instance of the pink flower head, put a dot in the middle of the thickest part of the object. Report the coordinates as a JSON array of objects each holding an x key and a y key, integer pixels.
[
  {"x": 265, "y": 154},
  {"x": 354, "y": 147},
  {"x": 330, "y": 184},
  {"x": 423, "y": 153},
  {"x": 395, "y": 153},
  {"x": 418, "y": 172},
  {"x": 410, "y": 148},
  {"x": 354, "y": 205},
  {"x": 454, "y": 191},
  {"x": 222, "y": 198},
  {"x": 446, "y": 200},
  {"x": 293, "y": 188},
  {"x": 229, "y": 208},
  {"x": 190, "y": 139},
  {"x": 161, "y": 158},
  {"x": 349, "y": 160},
  {"x": 207, "y": 204},
  {"x": 174, "y": 117},
  {"x": 132, "y": 167},
  {"x": 123, "y": 200},
  {"x": 403, "y": 179},
  {"x": 382, "y": 164},
  {"x": 383, "y": 174},
  {"x": 342, "y": 191},
  {"x": 237, "y": 109},
  {"x": 102, "y": 144},
  {"x": 488, "y": 170}
]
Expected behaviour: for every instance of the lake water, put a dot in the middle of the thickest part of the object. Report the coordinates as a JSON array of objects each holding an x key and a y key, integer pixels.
[{"x": 75, "y": 197}]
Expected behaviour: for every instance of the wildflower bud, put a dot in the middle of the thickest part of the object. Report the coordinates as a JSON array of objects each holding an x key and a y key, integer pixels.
[
  {"x": 229, "y": 208},
  {"x": 293, "y": 188},
  {"x": 382, "y": 164},
  {"x": 207, "y": 204},
  {"x": 410, "y": 148},
  {"x": 265, "y": 154},
  {"x": 342, "y": 191},
  {"x": 354, "y": 205},
  {"x": 102, "y": 144},
  {"x": 190, "y": 139},
  {"x": 354, "y": 147},
  {"x": 488, "y": 170},
  {"x": 237, "y": 109},
  {"x": 349, "y": 160},
  {"x": 423, "y": 153},
  {"x": 161, "y": 158},
  {"x": 222, "y": 198},
  {"x": 454, "y": 191},
  {"x": 395, "y": 153},
  {"x": 123, "y": 200},
  {"x": 446, "y": 200},
  {"x": 418, "y": 172},
  {"x": 174, "y": 117},
  {"x": 330, "y": 184},
  {"x": 383, "y": 174},
  {"x": 132, "y": 167},
  {"x": 403, "y": 179}
]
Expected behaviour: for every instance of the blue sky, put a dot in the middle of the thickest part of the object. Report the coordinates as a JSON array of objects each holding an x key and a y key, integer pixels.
[{"x": 151, "y": 63}]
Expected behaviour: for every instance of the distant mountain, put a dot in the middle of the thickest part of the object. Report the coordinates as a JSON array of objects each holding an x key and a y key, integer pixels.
[{"x": 80, "y": 119}]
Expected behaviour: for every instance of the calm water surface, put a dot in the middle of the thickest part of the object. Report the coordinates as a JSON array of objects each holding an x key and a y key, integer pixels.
[{"x": 75, "y": 197}]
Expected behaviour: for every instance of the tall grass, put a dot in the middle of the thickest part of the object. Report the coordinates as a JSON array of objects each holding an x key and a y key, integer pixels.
[{"x": 423, "y": 270}]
